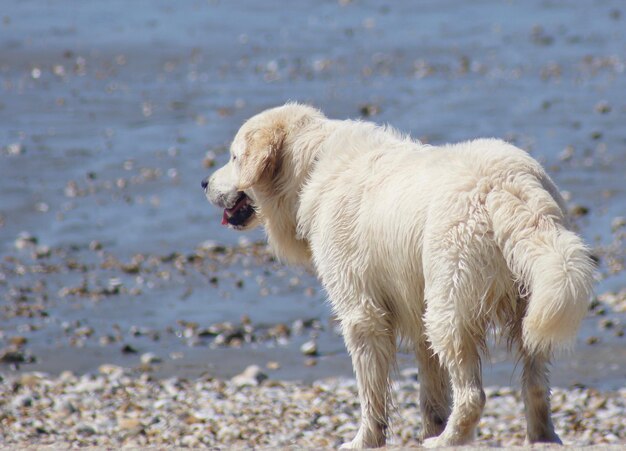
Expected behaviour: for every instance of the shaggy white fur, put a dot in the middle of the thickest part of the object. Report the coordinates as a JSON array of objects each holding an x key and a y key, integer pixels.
[{"x": 434, "y": 246}]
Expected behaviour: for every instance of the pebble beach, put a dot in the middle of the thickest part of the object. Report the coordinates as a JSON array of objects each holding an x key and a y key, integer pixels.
[{"x": 117, "y": 408}]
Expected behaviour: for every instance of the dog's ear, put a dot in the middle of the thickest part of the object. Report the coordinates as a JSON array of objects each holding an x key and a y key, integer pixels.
[{"x": 260, "y": 157}]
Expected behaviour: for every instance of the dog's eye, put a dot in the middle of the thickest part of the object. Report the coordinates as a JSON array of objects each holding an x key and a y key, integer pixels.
[{"x": 234, "y": 157}]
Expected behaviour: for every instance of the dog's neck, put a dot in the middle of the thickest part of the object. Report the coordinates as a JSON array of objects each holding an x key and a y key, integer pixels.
[
  {"x": 279, "y": 201},
  {"x": 279, "y": 219}
]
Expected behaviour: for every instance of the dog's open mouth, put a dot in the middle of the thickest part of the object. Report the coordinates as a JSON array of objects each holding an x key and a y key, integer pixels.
[{"x": 239, "y": 215}]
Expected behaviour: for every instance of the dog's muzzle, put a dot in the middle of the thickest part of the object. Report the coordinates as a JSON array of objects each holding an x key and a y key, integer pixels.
[{"x": 238, "y": 207}]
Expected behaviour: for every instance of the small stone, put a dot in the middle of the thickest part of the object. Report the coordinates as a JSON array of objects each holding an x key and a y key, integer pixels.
[
  {"x": 128, "y": 349},
  {"x": 95, "y": 246},
  {"x": 272, "y": 365},
  {"x": 593, "y": 340},
  {"x": 67, "y": 376},
  {"x": 18, "y": 341},
  {"x": 106, "y": 340},
  {"x": 84, "y": 331},
  {"x": 71, "y": 189},
  {"x": 85, "y": 429},
  {"x": 176, "y": 355},
  {"x": 31, "y": 380},
  {"x": 24, "y": 240},
  {"x": 15, "y": 149},
  {"x": 11, "y": 356},
  {"x": 129, "y": 423},
  {"x": 309, "y": 348},
  {"x": 110, "y": 370},
  {"x": 603, "y": 107},
  {"x": 251, "y": 376},
  {"x": 607, "y": 323},
  {"x": 311, "y": 361},
  {"x": 189, "y": 441},
  {"x": 567, "y": 154},
  {"x": 65, "y": 409},
  {"x": 150, "y": 358},
  {"x": 369, "y": 109},
  {"x": 208, "y": 162},
  {"x": 22, "y": 400},
  {"x": 211, "y": 246},
  {"x": 42, "y": 207},
  {"x": 42, "y": 252},
  {"x": 131, "y": 268},
  {"x": 579, "y": 210},
  {"x": 191, "y": 419},
  {"x": 279, "y": 330}
]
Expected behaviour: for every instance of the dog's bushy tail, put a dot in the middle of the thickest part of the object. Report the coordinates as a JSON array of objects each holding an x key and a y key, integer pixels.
[{"x": 552, "y": 265}]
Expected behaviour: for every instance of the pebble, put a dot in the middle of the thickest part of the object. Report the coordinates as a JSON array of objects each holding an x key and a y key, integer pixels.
[
  {"x": 110, "y": 370},
  {"x": 309, "y": 348},
  {"x": 579, "y": 210},
  {"x": 128, "y": 349},
  {"x": 369, "y": 109},
  {"x": 31, "y": 379},
  {"x": 42, "y": 252},
  {"x": 12, "y": 356},
  {"x": 129, "y": 423},
  {"x": 251, "y": 376},
  {"x": 85, "y": 429},
  {"x": 95, "y": 245},
  {"x": 603, "y": 107},
  {"x": 24, "y": 240},
  {"x": 15, "y": 149},
  {"x": 311, "y": 361},
  {"x": 18, "y": 341},
  {"x": 150, "y": 358},
  {"x": 272, "y": 365}
]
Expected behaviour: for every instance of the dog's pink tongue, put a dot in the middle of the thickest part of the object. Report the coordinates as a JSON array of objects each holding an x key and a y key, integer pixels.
[{"x": 224, "y": 218}]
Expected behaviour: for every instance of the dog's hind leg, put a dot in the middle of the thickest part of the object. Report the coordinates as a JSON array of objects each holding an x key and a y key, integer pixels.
[
  {"x": 372, "y": 346},
  {"x": 536, "y": 394},
  {"x": 435, "y": 400},
  {"x": 468, "y": 401},
  {"x": 457, "y": 285}
]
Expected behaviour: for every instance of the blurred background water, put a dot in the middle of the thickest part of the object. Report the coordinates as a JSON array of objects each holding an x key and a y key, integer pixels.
[{"x": 112, "y": 112}]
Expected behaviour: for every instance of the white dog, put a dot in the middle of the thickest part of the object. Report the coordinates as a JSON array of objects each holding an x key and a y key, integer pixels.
[{"x": 432, "y": 246}]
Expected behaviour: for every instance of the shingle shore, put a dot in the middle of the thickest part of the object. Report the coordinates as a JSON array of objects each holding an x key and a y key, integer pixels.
[{"x": 120, "y": 408}]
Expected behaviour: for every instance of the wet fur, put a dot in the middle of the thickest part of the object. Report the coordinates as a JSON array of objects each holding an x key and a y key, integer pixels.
[{"x": 435, "y": 246}]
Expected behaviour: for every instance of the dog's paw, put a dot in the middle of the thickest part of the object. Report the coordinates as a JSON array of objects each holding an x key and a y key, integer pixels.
[
  {"x": 548, "y": 437},
  {"x": 350, "y": 445},
  {"x": 359, "y": 443}
]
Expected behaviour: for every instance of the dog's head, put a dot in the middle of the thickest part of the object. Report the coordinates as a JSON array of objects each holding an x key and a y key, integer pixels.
[{"x": 257, "y": 161}]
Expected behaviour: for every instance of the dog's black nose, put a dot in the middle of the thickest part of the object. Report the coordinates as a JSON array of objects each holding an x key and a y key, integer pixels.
[{"x": 205, "y": 183}]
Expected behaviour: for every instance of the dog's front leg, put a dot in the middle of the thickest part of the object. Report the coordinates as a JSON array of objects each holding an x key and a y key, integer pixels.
[{"x": 373, "y": 349}]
